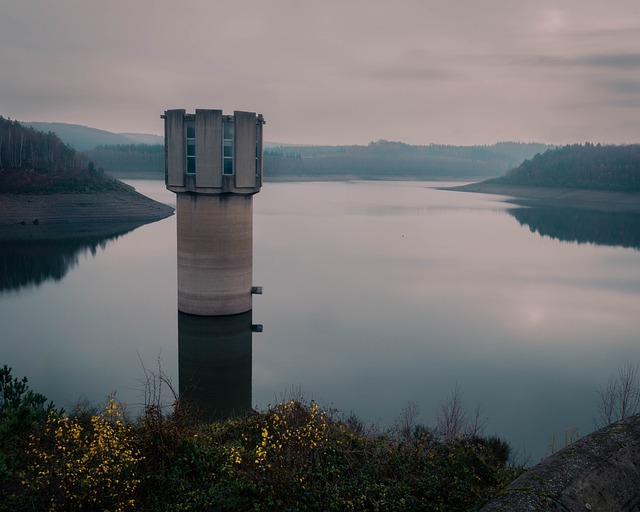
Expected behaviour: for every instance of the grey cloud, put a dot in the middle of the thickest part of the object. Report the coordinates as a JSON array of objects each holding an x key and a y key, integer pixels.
[
  {"x": 620, "y": 61},
  {"x": 617, "y": 61},
  {"x": 625, "y": 87},
  {"x": 605, "y": 33},
  {"x": 625, "y": 103}
]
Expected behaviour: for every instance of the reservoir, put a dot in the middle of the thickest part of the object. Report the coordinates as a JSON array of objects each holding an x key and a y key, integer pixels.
[{"x": 378, "y": 296}]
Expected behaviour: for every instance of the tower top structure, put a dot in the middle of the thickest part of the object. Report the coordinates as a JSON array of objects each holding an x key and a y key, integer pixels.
[{"x": 208, "y": 152}]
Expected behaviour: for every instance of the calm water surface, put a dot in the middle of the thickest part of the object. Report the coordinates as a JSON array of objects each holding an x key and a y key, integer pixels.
[{"x": 376, "y": 295}]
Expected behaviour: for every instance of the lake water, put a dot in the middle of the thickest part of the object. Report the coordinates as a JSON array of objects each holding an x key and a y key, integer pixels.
[{"x": 376, "y": 295}]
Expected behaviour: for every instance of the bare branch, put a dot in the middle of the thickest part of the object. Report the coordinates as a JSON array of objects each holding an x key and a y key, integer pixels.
[
  {"x": 620, "y": 398},
  {"x": 451, "y": 417}
]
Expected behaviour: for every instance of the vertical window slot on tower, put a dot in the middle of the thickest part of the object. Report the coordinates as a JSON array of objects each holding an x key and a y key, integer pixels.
[
  {"x": 191, "y": 147},
  {"x": 227, "y": 155}
]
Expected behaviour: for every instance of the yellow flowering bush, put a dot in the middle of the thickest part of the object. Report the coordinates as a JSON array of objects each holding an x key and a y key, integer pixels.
[
  {"x": 290, "y": 429},
  {"x": 90, "y": 466},
  {"x": 286, "y": 440}
]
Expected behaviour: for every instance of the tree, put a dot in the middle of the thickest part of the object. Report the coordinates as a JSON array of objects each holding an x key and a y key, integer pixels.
[{"x": 620, "y": 398}]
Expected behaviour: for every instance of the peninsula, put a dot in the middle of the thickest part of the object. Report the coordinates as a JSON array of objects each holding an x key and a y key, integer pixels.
[
  {"x": 588, "y": 177},
  {"x": 48, "y": 190}
]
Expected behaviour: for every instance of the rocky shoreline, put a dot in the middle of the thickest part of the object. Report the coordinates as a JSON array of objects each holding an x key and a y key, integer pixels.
[
  {"x": 584, "y": 199},
  {"x": 54, "y": 216}
]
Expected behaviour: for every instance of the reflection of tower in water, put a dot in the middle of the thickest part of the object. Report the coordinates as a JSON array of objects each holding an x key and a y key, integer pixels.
[
  {"x": 214, "y": 166},
  {"x": 214, "y": 363}
]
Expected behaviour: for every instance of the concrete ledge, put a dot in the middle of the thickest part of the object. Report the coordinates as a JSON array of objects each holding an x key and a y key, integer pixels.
[{"x": 600, "y": 472}]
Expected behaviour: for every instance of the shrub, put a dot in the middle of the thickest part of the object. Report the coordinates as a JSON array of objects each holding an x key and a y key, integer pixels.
[
  {"x": 296, "y": 456},
  {"x": 76, "y": 467},
  {"x": 21, "y": 411},
  {"x": 20, "y": 407}
]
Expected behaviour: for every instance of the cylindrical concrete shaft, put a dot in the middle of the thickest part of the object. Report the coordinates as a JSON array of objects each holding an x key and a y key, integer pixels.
[{"x": 215, "y": 253}]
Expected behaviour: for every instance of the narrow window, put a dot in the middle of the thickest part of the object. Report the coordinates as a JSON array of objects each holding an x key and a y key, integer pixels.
[
  {"x": 257, "y": 158},
  {"x": 191, "y": 147},
  {"x": 227, "y": 154}
]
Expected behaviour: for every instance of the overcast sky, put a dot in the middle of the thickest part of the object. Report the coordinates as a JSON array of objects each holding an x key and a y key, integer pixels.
[{"x": 332, "y": 72}]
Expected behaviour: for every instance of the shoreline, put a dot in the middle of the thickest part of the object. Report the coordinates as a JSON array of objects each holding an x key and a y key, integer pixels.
[
  {"x": 63, "y": 216},
  {"x": 573, "y": 198}
]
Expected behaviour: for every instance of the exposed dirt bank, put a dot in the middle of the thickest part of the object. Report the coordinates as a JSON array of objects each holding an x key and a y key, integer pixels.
[
  {"x": 68, "y": 215},
  {"x": 595, "y": 200}
]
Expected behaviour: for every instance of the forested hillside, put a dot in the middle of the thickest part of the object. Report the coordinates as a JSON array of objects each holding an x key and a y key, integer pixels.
[
  {"x": 26, "y": 148},
  {"x": 580, "y": 166},
  {"x": 37, "y": 162}
]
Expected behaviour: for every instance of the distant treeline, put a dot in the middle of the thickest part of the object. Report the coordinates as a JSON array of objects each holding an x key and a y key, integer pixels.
[
  {"x": 129, "y": 157},
  {"x": 585, "y": 166},
  {"x": 395, "y": 160},
  {"x": 38, "y": 162},
  {"x": 378, "y": 160}
]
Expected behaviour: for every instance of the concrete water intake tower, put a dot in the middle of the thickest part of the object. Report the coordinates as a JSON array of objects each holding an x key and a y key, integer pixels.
[{"x": 214, "y": 166}]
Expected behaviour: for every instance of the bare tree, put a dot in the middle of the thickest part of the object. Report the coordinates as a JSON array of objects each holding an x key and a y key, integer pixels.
[
  {"x": 453, "y": 420},
  {"x": 451, "y": 417},
  {"x": 607, "y": 403},
  {"x": 406, "y": 423},
  {"x": 629, "y": 390},
  {"x": 160, "y": 395},
  {"x": 620, "y": 398}
]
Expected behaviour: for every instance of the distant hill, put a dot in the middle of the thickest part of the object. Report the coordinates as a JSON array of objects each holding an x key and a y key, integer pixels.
[
  {"x": 586, "y": 166},
  {"x": 84, "y": 137},
  {"x": 144, "y": 138}
]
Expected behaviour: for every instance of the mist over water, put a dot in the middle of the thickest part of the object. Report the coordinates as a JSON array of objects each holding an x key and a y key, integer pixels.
[{"x": 376, "y": 294}]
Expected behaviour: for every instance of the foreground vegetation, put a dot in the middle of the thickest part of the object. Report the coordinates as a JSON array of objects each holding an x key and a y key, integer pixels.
[
  {"x": 33, "y": 162},
  {"x": 294, "y": 456},
  {"x": 580, "y": 166}
]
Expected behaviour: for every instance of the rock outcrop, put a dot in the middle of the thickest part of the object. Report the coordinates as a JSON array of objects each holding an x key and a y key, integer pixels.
[{"x": 600, "y": 472}]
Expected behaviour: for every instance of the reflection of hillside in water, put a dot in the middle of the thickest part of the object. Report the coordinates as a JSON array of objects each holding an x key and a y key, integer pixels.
[
  {"x": 32, "y": 262},
  {"x": 214, "y": 363},
  {"x": 582, "y": 226}
]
